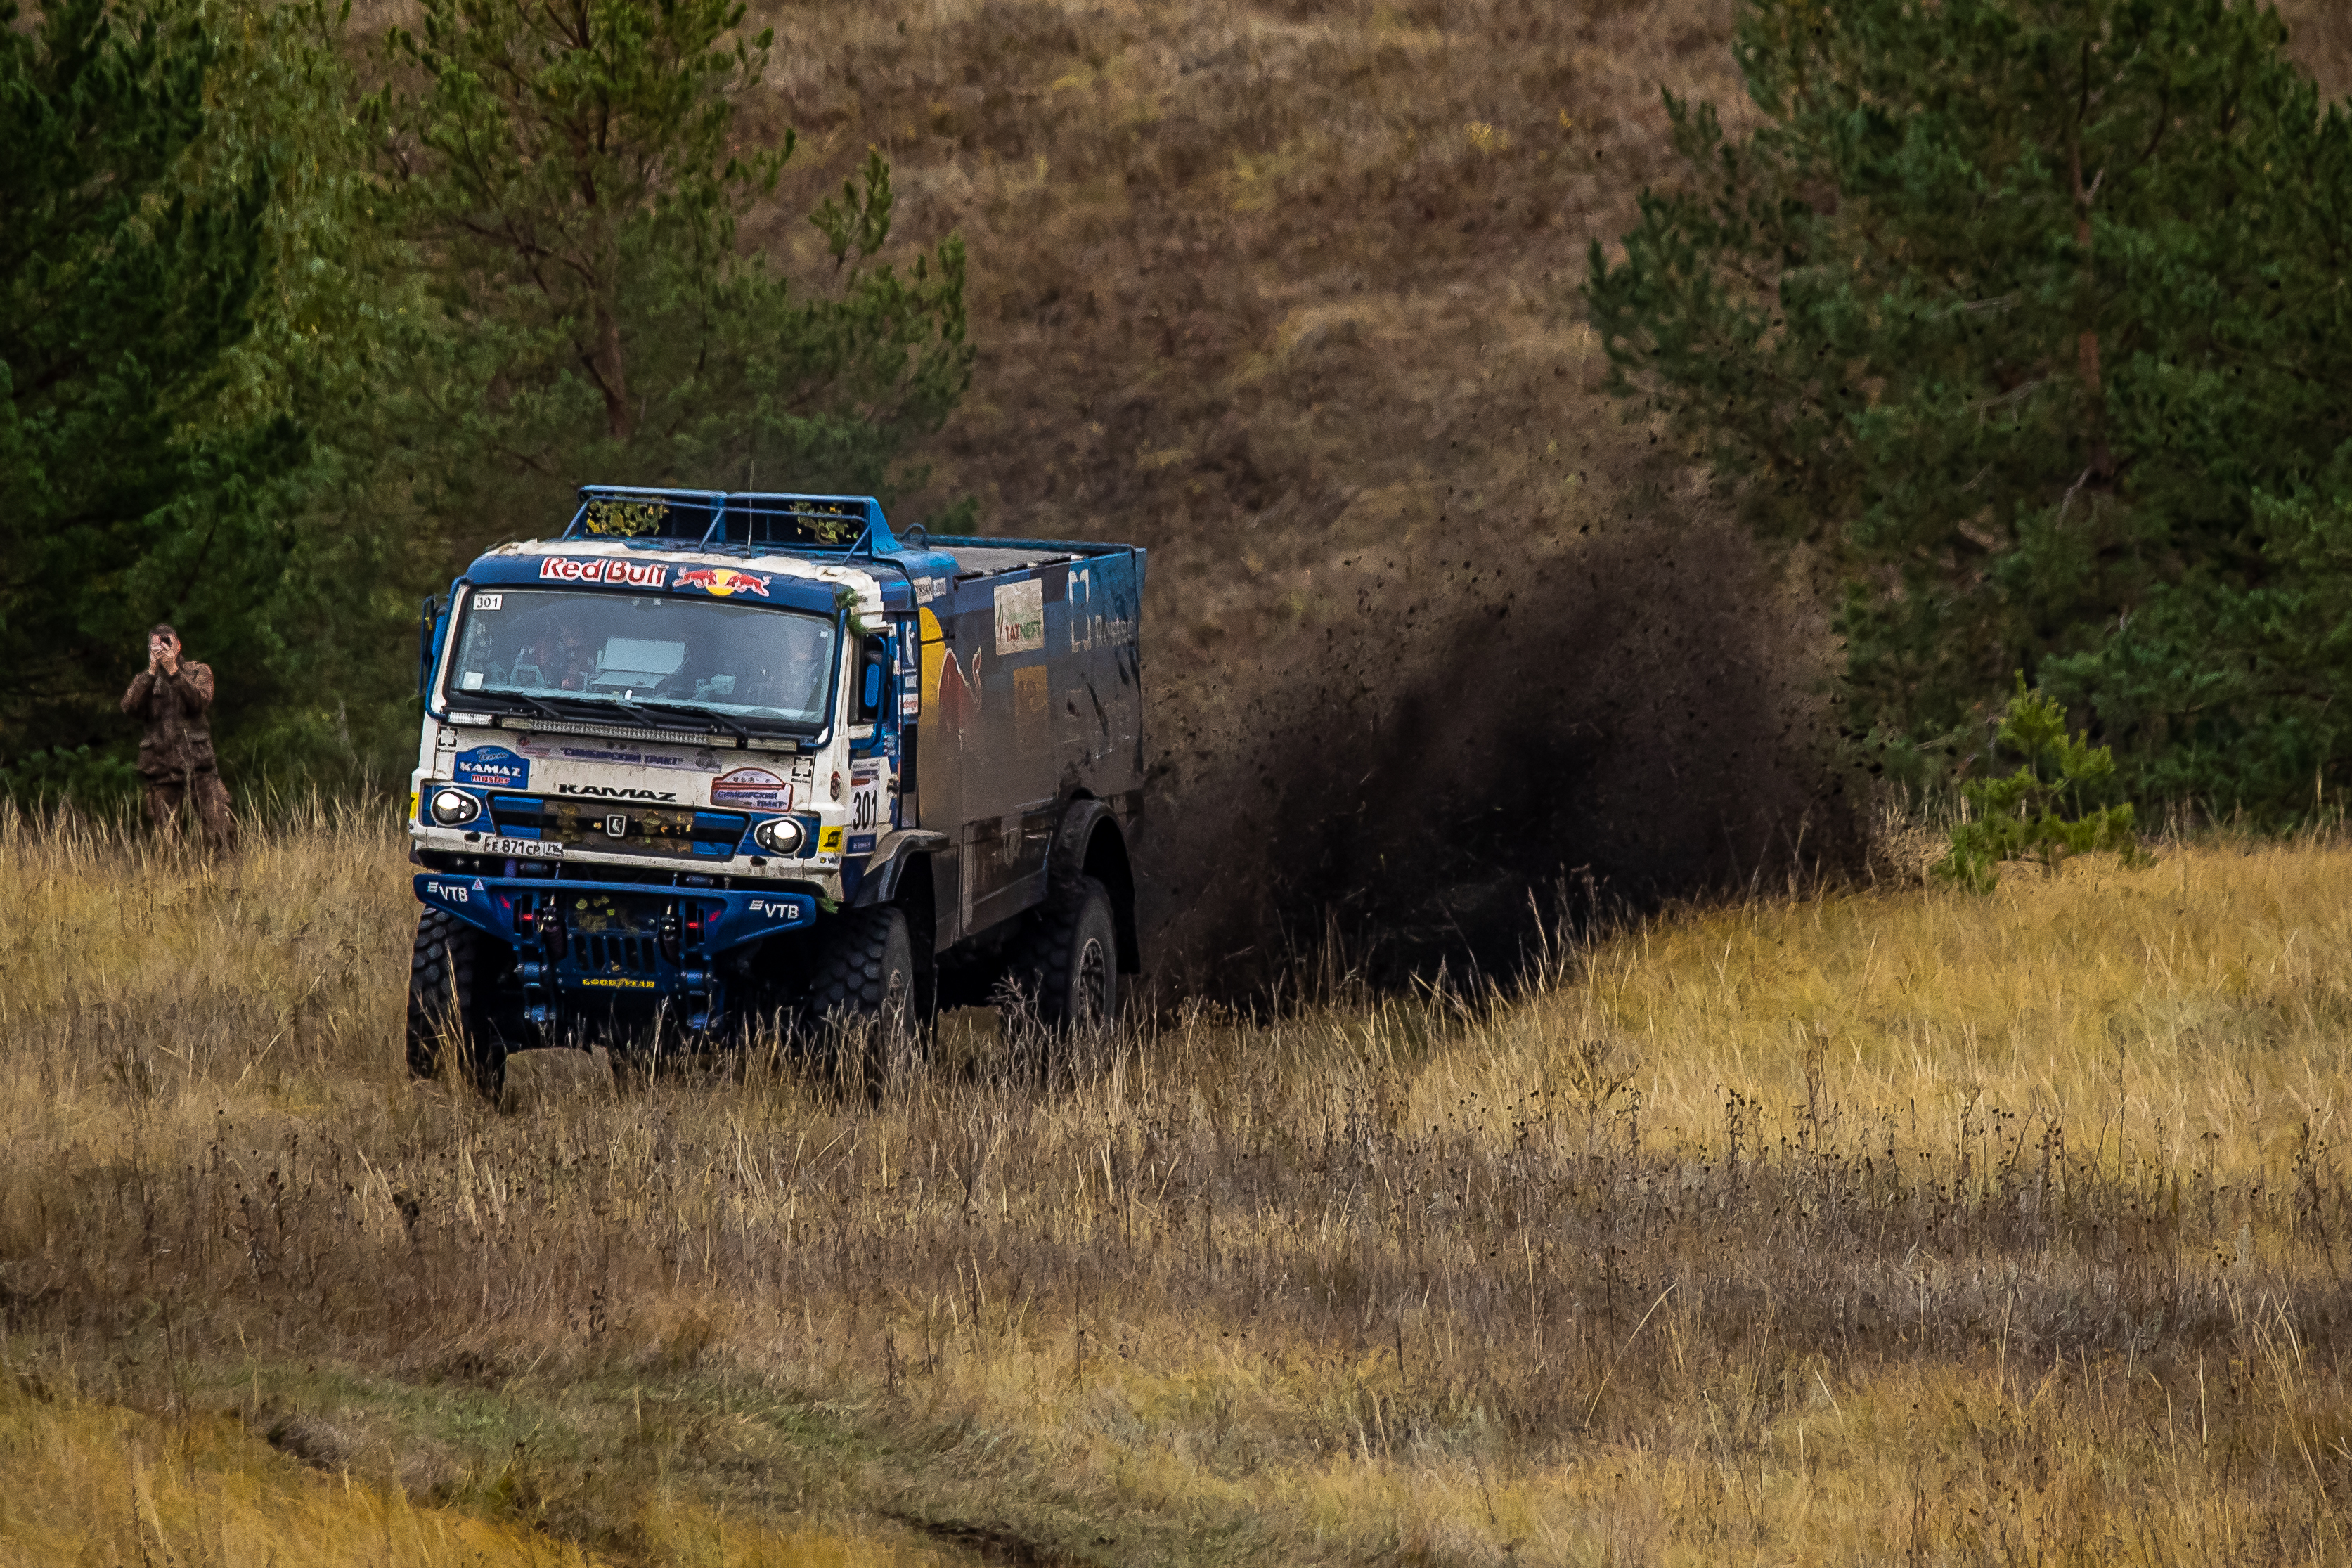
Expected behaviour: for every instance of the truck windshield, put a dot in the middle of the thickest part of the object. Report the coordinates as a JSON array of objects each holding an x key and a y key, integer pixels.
[{"x": 547, "y": 648}]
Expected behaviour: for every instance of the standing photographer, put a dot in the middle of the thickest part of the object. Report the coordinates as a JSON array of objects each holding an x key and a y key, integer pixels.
[{"x": 175, "y": 755}]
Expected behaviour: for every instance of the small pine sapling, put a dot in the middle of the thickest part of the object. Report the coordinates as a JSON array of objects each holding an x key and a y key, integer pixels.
[{"x": 2037, "y": 813}]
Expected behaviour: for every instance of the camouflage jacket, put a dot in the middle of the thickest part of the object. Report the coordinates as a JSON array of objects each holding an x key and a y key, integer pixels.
[{"x": 178, "y": 742}]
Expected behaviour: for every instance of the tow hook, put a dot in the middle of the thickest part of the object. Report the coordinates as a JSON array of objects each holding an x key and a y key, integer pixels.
[{"x": 546, "y": 922}]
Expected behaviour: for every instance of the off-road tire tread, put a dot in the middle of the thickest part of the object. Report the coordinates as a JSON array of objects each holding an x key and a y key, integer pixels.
[
  {"x": 851, "y": 975},
  {"x": 1042, "y": 957},
  {"x": 446, "y": 947}
]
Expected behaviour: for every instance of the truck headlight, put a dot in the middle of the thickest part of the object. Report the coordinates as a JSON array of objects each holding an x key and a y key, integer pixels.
[
  {"x": 780, "y": 835},
  {"x": 451, "y": 807}
]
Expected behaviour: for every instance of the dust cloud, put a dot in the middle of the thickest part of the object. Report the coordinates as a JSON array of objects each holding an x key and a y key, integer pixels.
[{"x": 1576, "y": 733}]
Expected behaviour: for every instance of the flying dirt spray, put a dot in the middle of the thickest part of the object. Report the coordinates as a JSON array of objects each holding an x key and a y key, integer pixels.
[{"x": 1620, "y": 722}]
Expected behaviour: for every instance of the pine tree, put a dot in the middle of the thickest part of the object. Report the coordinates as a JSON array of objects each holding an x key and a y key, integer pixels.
[
  {"x": 570, "y": 174},
  {"x": 2027, "y": 317},
  {"x": 123, "y": 294}
]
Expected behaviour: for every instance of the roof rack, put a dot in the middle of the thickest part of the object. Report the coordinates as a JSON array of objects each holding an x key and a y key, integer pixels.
[{"x": 851, "y": 525}]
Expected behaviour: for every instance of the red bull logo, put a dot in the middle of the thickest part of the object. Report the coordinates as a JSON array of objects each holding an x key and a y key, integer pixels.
[
  {"x": 601, "y": 569},
  {"x": 723, "y": 581}
]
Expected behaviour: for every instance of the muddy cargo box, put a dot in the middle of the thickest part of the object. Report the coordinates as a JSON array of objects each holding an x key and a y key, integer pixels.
[{"x": 1030, "y": 693}]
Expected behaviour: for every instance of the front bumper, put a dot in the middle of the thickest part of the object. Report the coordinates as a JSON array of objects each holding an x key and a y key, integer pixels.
[{"x": 617, "y": 941}]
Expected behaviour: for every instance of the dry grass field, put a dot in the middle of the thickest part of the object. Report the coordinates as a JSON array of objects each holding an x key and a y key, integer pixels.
[
  {"x": 1859, "y": 1226},
  {"x": 1854, "y": 1227}
]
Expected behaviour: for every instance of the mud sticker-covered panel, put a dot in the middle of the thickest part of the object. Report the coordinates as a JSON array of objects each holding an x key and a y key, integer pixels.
[{"x": 613, "y": 827}]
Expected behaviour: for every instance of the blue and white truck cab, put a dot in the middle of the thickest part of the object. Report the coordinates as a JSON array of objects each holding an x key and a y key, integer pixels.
[{"x": 717, "y": 759}]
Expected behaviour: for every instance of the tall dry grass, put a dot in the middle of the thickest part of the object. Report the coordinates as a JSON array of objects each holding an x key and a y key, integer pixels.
[{"x": 1872, "y": 1225}]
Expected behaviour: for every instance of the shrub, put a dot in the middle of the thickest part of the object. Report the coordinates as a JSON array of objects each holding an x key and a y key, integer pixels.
[{"x": 2038, "y": 812}]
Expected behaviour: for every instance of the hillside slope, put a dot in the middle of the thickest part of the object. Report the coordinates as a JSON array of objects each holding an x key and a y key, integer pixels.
[{"x": 1286, "y": 292}]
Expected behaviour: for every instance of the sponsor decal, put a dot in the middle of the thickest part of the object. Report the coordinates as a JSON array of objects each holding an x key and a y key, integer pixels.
[
  {"x": 775, "y": 909},
  {"x": 1032, "y": 703},
  {"x": 828, "y": 841},
  {"x": 910, "y": 674},
  {"x": 615, "y": 792},
  {"x": 933, "y": 655},
  {"x": 751, "y": 790},
  {"x": 930, "y": 588},
  {"x": 1020, "y": 616},
  {"x": 617, "y": 983},
  {"x": 494, "y": 766},
  {"x": 723, "y": 581},
  {"x": 699, "y": 762},
  {"x": 861, "y": 843},
  {"x": 1098, "y": 618},
  {"x": 455, "y": 893},
  {"x": 602, "y": 569},
  {"x": 804, "y": 770}
]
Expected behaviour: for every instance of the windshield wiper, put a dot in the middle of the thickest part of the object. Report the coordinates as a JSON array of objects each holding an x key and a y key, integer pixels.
[{"x": 648, "y": 711}]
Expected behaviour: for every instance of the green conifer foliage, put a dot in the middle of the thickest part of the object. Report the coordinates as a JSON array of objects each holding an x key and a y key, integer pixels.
[
  {"x": 2029, "y": 317},
  {"x": 2041, "y": 811},
  {"x": 124, "y": 291},
  {"x": 573, "y": 175}
]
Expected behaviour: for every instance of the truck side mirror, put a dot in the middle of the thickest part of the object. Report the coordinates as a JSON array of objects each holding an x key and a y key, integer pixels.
[
  {"x": 874, "y": 680},
  {"x": 426, "y": 617}
]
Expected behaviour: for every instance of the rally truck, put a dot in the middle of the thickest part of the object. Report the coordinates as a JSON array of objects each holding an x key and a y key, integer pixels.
[{"x": 710, "y": 761}]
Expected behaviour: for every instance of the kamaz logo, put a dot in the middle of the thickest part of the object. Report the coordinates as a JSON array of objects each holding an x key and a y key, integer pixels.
[{"x": 615, "y": 791}]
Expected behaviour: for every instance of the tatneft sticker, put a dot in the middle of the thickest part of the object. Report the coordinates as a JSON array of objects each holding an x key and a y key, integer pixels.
[
  {"x": 751, "y": 790},
  {"x": 494, "y": 766},
  {"x": 1020, "y": 616}
]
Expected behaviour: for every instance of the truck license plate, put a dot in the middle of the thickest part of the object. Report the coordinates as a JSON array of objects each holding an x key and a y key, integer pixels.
[{"x": 524, "y": 848}]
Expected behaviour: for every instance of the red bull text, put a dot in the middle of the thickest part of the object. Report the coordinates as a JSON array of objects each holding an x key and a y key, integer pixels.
[{"x": 603, "y": 569}]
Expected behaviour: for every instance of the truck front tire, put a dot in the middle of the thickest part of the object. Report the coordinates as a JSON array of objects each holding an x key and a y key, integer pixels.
[
  {"x": 1067, "y": 961},
  {"x": 864, "y": 973},
  {"x": 447, "y": 979}
]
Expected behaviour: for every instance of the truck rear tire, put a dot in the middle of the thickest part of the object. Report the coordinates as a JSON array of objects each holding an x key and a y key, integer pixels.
[
  {"x": 445, "y": 986},
  {"x": 1066, "y": 963},
  {"x": 864, "y": 977}
]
